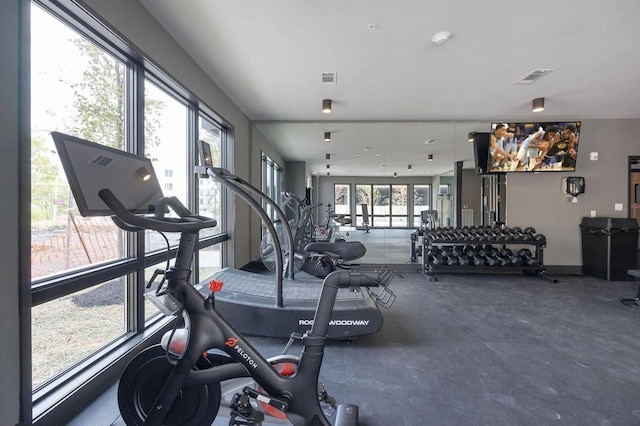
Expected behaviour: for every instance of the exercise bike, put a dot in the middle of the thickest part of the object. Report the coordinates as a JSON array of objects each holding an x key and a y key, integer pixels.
[
  {"x": 180, "y": 381},
  {"x": 317, "y": 257}
]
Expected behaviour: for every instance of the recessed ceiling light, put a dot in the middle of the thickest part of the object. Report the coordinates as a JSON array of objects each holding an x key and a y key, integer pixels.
[
  {"x": 429, "y": 141},
  {"x": 366, "y": 149},
  {"x": 377, "y": 154}
]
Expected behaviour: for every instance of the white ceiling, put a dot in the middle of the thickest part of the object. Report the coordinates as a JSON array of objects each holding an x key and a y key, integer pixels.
[{"x": 395, "y": 87}]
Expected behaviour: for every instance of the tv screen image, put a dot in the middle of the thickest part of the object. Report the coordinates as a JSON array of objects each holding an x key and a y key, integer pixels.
[{"x": 550, "y": 146}]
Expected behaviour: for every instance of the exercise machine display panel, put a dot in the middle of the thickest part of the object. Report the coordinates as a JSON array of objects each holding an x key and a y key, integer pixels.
[{"x": 91, "y": 167}]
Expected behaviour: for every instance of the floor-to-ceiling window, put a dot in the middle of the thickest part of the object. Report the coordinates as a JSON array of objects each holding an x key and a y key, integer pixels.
[
  {"x": 271, "y": 183},
  {"x": 80, "y": 89},
  {"x": 363, "y": 205},
  {"x": 210, "y": 197},
  {"x": 86, "y": 273},
  {"x": 387, "y": 205},
  {"x": 399, "y": 206},
  {"x": 421, "y": 201},
  {"x": 342, "y": 199}
]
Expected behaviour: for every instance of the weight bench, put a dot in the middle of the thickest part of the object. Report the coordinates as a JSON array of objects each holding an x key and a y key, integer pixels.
[{"x": 633, "y": 302}]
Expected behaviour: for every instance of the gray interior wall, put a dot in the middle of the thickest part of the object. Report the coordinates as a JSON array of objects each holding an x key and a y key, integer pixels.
[
  {"x": 537, "y": 200},
  {"x": 295, "y": 180},
  {"x": 9, "y": 186},
  {"x": 471, "y": 193},
  {"x": 131, "y": 20},
  {"x": 259, "y": 144}
]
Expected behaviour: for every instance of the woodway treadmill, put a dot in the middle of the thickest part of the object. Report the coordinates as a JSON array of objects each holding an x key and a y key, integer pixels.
[
  {"x": 248, "y": 301},
  {"x": 272, "y": 306}
]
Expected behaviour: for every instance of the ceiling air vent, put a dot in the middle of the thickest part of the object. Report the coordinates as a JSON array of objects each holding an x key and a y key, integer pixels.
[
  {"x": 329, "y": 78},
  {"x": 534, "y": 75}
]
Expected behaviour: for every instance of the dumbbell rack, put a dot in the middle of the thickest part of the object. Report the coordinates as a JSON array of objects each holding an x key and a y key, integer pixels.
[{"x": 442, "y": 237}]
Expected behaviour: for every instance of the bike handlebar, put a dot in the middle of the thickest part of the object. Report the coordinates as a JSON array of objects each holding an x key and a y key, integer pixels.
[{"x": 186, "y": 222}]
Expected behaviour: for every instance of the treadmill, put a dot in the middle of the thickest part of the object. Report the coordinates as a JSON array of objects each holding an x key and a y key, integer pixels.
[{"x": 264, "y": 305}]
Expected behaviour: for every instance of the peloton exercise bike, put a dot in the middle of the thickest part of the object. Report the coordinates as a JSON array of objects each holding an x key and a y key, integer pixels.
[{"x": 183, "y": 380}]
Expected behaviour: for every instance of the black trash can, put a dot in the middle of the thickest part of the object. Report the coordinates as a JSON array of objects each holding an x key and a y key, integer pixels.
[{"x": 609, "y": 247}]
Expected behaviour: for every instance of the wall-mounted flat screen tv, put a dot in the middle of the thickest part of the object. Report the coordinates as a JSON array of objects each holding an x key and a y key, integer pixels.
[{"x": 550, "y": 146}]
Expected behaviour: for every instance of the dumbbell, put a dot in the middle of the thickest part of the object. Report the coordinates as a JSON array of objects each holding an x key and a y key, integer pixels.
[
  {"x": 507, "y": 254},
  {"x": 488, "y": 260},
  {"x": 457, "y": 250},
  {"x": 540, "y": 239},
  {"x": 446, "y": 250},
  {"x": 500, "y": 261},
  {"x": 472, "y": 259},
  {"x": 445, "y": 260},
  {"x": 526, "y": 256},
  {"x": 490, "y": 250}
]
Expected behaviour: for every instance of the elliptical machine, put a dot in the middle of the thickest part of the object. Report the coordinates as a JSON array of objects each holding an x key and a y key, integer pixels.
[{"x": 318, "y": 257}]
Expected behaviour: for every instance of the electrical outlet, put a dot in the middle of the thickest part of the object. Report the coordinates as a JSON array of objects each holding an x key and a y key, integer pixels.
[
  {"x": 618, "y": 207},
  {"x": 593, "y": 213},
  {"x": 593, "y": 156}
]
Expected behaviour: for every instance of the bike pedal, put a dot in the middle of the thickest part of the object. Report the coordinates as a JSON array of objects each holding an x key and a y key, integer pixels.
[
  {"x": 243, "y": 413},
  {"x": 266, "y": 399},
  {"x": 324, "y": 397},
  {"x": 327, "y": 402}
]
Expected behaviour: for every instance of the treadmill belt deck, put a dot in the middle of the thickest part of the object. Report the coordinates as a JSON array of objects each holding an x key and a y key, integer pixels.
[{"x": 248, "y": 284}]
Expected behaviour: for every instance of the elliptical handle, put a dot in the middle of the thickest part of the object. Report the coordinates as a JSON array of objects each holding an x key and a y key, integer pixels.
[{"x": 186, "y": 223}]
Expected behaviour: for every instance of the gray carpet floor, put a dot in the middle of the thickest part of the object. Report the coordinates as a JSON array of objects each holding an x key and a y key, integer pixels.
[{"x": 483, "y": 350}]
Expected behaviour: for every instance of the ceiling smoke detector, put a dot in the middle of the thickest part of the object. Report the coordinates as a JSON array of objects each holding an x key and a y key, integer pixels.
[{"x": 441, "y": 37}]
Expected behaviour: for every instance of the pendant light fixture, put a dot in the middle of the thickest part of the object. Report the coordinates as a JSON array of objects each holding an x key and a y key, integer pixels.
[
  {"x": 326, "y": 106},
  {"x": 537, "y": 105}
]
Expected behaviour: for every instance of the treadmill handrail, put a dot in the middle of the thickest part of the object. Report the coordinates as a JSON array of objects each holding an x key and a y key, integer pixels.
[{"x": 244, "y": 189}]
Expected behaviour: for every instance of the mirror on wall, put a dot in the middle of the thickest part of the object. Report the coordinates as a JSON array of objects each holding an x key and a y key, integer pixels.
[{"x": 396, "y": 168}]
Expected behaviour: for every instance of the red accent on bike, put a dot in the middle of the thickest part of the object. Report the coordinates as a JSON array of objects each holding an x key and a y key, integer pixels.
[
  {"x": 286, "y": 369},
  {"x": 215, "y": 285},
  {"x": 231, "y": 342}
]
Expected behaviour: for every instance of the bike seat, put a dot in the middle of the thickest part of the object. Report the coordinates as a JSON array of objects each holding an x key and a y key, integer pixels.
[{"x": 347, "y": 251}]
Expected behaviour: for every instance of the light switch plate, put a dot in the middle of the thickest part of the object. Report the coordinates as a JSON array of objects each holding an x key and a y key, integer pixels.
[
  {"x": 593, "y": 156},
  {"x": 618, "y": 207}
]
